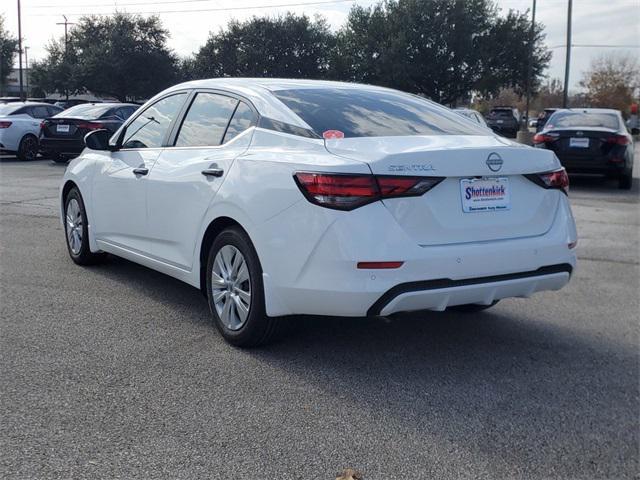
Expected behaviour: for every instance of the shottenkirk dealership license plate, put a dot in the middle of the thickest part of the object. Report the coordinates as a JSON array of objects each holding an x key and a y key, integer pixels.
[{"x": 485, "y": 194}]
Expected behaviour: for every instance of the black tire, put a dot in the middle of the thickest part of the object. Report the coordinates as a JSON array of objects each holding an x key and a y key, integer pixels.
[
  {"x": 258, "y": 328},
  {"x": 83, "y": 255},
  {"x": 28, "y": 148},
  {"x": 625, "y": 181},
  {"x": 472, "y": 307}
]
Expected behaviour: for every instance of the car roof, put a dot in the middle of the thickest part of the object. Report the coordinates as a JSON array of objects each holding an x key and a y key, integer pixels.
[{"x": 259, "y": 92}]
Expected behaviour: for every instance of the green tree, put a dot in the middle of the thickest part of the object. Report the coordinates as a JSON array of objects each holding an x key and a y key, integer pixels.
[
  {"x": 442, "y": 49},
  {"x": 8, "y": 50},
  {"x": 287, "y": 46},
  {"x": 124, "y": 56}
]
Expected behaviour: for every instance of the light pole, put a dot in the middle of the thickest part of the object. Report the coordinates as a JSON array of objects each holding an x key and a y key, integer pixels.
[
  {"x": 532, "y": 35},
  {"x": 565, "y": 96},
  {"x": 26, "y": 69},
  {"x": 20, "y": 53}
]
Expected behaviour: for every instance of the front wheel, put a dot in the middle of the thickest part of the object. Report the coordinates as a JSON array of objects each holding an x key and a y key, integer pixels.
[
  {"x": 235, "y": 290},
  {"x": 77, "y": 231},
  {"x": 28, "y": 148}
]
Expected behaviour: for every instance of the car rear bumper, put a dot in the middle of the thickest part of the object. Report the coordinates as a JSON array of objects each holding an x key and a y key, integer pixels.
[
  {"x": 327, "y": 281},
  {"x": 440, "y": 294},
  {"x": 599, "y": 165},
  {"x": 63, "y": 146}
]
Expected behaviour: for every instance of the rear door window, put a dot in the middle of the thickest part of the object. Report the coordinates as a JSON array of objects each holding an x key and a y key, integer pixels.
[
  {"x": 206, "y": 121},
  {"x": 39, "y": 111},
  {"x": 243, "y": 118},
  {"x": 373, "y": 113}
]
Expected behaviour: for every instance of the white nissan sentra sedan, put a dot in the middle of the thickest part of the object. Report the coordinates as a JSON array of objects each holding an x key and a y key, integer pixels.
[{"x": 287, "y": 197}]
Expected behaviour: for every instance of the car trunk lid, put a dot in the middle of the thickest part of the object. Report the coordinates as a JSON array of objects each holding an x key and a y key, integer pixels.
[{"x": 510, "y": 206}]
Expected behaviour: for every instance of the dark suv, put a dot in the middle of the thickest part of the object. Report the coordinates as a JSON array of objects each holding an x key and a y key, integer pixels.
[{"x": 504, "y": 121}]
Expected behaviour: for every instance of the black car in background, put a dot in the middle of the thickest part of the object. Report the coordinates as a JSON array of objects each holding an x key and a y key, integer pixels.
[
  {"x": 504, "y": 121},
  {"x": 62, "y": 136},
  {"x": 543, "y": 118},
  {"x": 590, "y": 140}
]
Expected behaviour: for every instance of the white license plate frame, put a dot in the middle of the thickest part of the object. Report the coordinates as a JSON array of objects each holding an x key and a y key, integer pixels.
[
  {"x": 578, "y": 142},
  {"x": 62, "y": 128},
  {"x": 486, "y": 194}
]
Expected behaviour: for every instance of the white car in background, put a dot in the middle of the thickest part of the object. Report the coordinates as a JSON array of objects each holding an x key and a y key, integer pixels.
[
  {"x": 20, "y": 127},
  {"x": 286, "y": 197}
]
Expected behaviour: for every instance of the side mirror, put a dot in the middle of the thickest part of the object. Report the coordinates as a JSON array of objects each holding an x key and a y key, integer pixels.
[{"x": 98, "y": 140}]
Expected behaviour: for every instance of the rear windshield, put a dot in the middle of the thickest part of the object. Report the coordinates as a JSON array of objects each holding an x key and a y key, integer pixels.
[
  {"x": 582, "y": 119},
  {"x": 501, "y": 114},
  {"x": 85, "y": 111},
  {"x": 366, "y": 113}
]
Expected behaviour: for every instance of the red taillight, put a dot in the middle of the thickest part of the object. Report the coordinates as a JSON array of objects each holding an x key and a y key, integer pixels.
[
  {"x": 347, "y": 191},
  {"x": 618, "y": 140},
  {"x": 90, "y": 125},
  {"x": 543, "y": 138},
  {"x": 556, "y": 179},
  {"x": 42, "y": 123},
  {"x": 5, "y": 124}
]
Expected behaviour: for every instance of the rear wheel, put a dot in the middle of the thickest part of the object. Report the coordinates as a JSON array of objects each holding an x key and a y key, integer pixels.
[
  {"x": 28, "y": 148},
  {"x": 472, "y": 307},
  {"x": 235, "y": 290},
  {"x": 77, "y": 231},
  {"x": 625, "y": 181}
]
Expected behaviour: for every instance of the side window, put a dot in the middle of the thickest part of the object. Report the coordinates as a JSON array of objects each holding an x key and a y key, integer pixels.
[
  {"x": 242, "y": 119},
  {"x": 206, "y": 120},
  {"x": 125, "y": 112},
  {"x": 39, "y": 112},
  {"x": 21, "y": 111},
  {"x": 53, "y": 111},
  {"x": 149, "y": 128}
]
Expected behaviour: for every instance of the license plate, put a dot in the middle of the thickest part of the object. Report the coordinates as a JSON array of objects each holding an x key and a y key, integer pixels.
[
  {"x": 485, "y": 194},
  {"x": 500, "y": 122},
  {"x": 62, "y": 128},
  {"x": 579, "y": 142}
]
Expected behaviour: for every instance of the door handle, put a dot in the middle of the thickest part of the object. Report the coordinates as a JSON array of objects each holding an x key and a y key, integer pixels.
[
  {"x": 140, "y": 171},
  {"x": 213, "y": 172}
]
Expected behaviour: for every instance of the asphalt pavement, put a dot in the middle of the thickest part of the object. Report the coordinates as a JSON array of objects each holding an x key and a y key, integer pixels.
[{"x": 114, "y": 371}]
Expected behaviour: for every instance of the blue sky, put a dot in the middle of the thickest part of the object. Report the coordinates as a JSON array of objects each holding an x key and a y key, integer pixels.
[{"x": 595, "y": 22}]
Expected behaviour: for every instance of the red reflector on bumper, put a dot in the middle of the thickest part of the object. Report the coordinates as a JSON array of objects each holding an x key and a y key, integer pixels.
[{"x": 379, "y": 265}]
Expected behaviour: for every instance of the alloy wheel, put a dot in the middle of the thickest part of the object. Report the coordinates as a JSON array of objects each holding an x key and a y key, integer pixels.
[
  {"x": 231, "y": 287},
  {"x": 74, "y": 226}
]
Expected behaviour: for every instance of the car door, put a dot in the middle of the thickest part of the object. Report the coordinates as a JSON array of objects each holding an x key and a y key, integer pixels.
[
  {"x": 187, "y": 175},
  {"x": 120, "y": 184},
  {"x": 22, "y": 123}
]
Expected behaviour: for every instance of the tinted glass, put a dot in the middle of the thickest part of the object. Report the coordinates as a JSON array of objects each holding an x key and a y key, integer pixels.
[
  {"x": 243, "y": 118},
  {"x": 206, "y": 120},
  {"x": 53, "y": 111},
  {"x": 501, "y": 114},
  {"x": 580, "y": 120},
  {"x": 149, "y": 129},
  {"x": 86, "y": 111},
  {"x": 368, "y": 113},
  {"x": 39, "y": 112}
]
